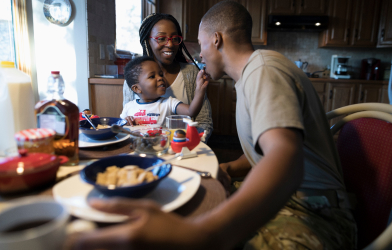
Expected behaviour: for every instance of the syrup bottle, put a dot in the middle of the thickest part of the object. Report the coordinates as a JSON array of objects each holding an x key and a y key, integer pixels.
[{"x": 61, "y": 115}]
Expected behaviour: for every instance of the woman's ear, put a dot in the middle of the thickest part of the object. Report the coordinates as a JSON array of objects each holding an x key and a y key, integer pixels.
[
  {"x": 218, "y": 41},
  {"x": 135, "y": 88}
]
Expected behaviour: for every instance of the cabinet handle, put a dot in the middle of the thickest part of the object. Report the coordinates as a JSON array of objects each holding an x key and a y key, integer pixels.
[
  {"x": 348, "y": 32},
  {"x": 382, "y": 33},
  {"x": 330, "y": 94}
]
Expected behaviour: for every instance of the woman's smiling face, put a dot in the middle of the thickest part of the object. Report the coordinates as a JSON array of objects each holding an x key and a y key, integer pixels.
[{"x": 164, "y": 54}]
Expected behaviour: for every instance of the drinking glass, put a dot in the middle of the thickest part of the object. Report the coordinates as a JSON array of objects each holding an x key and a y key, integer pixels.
[{"x": 175, "y": 122}]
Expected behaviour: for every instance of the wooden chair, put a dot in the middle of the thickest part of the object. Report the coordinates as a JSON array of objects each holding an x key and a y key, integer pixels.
[{"x": 365, "y": 150}]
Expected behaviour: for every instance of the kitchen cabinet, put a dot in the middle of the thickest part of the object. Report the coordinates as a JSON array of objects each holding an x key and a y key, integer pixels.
[
  {"x": 385, "y": 29},
  {"x": 369, "y": 93},
  {"x": 222, "y": 97},
  {"x": 189, "y": 13},
  {"x": 297, "y": 7},
  {"x": 340, "y": 95},
  {"x": 148, "y": 7},
  {"x": 106, "y": 96},
  {"x": 351, "y": 24}
]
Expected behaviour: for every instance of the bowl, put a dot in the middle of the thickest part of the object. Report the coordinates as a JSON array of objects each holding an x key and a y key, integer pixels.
[
  {"x": 100, "y": 134},
  {"x": 89, "y": 174},
  {"x": 28, "y": 171},
  {"x": 149, "y": 141}
]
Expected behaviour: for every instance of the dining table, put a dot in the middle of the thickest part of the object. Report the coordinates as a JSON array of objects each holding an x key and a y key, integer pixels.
[{"x": 208, "y": 195}]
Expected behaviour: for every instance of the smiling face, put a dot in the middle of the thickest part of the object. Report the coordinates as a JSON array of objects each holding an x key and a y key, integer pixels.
[
  {"x": 151, "y": 82},
  {"x": 164, "y": 54},
  {"x": 210, "y": 54}
]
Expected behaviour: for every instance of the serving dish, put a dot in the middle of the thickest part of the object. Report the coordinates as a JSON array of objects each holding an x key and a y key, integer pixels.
[
  {"x": 100, "y": 134},
  {"x": 28, "y": 171},
  {"x": 150, "y": 141},
  {"x": 90, "y": 172}
]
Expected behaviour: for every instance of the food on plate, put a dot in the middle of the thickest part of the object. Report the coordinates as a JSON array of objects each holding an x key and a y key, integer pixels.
[
  {"x": 125, "y": 176},
  {"x": 101, "y": 126}
]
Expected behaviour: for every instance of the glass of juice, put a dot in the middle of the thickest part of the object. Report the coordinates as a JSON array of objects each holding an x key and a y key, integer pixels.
[{"x": 175, "y": 122}]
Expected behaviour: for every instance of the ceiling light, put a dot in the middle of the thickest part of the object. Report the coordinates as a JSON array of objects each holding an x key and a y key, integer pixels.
[
  {"x": 318, "y": 24},
  {"x": 277, "y": 23}
]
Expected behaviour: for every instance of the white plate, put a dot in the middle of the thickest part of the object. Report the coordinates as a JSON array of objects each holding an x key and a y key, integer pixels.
[
  {"x": 85, "y": 142},
  {"x": 172, "y": 192}
]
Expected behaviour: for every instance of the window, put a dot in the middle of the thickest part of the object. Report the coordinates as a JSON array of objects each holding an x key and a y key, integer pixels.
[
  {"x": 7, "y": 46},
  {"x": 128, "y": 20}
]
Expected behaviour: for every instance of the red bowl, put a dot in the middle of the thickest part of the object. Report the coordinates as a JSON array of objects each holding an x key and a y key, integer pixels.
[{"x": 28, "y": 171}]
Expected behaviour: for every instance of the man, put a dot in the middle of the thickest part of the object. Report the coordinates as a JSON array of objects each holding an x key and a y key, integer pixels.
[{"x": 293, "y": 196}]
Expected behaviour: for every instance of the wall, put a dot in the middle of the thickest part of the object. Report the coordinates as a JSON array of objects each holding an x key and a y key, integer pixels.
[
  {"x": 304, "y": 46},
  {"x": 101, "y": 19},
  {"x": 62, "y": 48}
]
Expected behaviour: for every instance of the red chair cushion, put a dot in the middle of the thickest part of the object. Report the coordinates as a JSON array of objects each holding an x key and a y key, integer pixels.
[{"x": 365, "y": 150}]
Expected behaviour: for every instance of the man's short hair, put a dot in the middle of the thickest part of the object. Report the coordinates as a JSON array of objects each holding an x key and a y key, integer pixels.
[
  {"x": 231, "y": 18},
  {"x": 133, "y": 69}
]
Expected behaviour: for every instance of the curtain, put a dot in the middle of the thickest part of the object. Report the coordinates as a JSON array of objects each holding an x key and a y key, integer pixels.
[{"x": 21, "y": 33}]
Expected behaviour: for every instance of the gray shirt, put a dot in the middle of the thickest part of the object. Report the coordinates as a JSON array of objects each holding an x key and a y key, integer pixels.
[
  {"x": 273, "y": 93},
  {"x": 189, "y": 73}
]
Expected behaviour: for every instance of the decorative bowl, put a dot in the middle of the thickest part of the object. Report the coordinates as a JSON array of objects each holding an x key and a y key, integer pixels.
[
  {"x": 100, "y": 134},
  {"x": 149, "y": 141},
  {"x": 89, "y": 174}
]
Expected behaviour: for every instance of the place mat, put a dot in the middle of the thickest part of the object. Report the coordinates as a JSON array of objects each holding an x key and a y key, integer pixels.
[{"x": 105, "y": 151}]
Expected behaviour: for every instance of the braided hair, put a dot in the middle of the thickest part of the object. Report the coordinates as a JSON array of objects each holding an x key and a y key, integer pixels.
[{"x": 145, "y": 30}]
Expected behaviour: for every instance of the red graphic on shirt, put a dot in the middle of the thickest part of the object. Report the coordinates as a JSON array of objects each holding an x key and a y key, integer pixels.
[{"x": 142, "y": 118}]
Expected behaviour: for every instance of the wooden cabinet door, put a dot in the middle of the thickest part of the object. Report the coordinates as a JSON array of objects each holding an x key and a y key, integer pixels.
[
  {"x": 365, "y": 23},
  {"x": 311, "y": 7},
  {"x": 220, "y": 95},
  {"x": 258, "y": 12},
  {"x": 148, "y": 7},
  {"x": 194, "y": 11},
  {"x": 337, "y": 34},
  {"x": 320, "y": 89},
  {"x": 340, "y": 95},
  {"x": 369, "y": 93},
  {"x": 384, "y": 95},
  {"x": 282, "y": 7},
  {"x": 385, "y": 29}
]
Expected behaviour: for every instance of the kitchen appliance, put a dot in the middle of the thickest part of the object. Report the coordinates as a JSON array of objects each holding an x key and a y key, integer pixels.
[
  {"x": 370, "y": 69},
  {"x": 340, "y": 67}
]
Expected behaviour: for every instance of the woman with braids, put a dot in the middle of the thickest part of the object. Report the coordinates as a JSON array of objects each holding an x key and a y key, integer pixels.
[{"x": 161, "y": 38}]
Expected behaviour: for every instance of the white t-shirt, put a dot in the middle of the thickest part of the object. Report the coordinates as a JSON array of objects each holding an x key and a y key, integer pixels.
[{"x": 152, "y": 112}]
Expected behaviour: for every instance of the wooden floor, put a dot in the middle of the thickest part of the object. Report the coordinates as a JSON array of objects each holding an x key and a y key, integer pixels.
[{"x": 226, "y": 148}]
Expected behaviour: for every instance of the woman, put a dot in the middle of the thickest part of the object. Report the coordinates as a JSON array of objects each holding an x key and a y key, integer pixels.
[{"x": 161, "y": 38}]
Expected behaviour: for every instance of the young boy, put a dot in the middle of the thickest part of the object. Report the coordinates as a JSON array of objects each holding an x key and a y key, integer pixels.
[{"x": 145, "y": 78}]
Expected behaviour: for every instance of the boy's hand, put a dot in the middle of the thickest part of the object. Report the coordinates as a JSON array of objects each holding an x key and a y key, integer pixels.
[
  {"x": 130, "y": 120},
  {"x": 202, "y": 80}
]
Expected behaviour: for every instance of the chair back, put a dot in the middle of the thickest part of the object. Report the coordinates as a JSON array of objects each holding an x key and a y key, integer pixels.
[{"x": 365, "y": 150}]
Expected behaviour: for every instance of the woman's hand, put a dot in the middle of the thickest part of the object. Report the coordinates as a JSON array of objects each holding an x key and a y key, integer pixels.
[
  {"x": 130, "y": 120},
  {"x": 148, "y": 228}
]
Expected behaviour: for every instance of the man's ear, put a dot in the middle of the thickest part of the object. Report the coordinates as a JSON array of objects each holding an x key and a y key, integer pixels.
[
  {"x": 218, "y": 41},
  {"x": 135, "y": 88}
]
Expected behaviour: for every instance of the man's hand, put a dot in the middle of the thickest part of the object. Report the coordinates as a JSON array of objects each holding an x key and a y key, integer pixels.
[
  {"x": 224, "y": 177},
  {"x": 148, "y": 228},
  {"x": 130, "y": 120}
]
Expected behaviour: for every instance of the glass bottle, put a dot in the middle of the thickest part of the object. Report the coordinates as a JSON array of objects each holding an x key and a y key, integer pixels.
[{"x": 61, "y": 115}]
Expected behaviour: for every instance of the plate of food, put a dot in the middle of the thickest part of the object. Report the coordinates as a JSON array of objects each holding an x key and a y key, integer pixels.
[{"x": 171, "y": 193}]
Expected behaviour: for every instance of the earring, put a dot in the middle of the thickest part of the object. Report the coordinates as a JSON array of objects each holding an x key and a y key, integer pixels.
[{"x": 145, "y": 44}]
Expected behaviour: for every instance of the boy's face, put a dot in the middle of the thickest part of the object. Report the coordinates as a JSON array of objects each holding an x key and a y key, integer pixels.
[
  {"x": 209, "y": 54},
  {"x": 151, "y": 82}
]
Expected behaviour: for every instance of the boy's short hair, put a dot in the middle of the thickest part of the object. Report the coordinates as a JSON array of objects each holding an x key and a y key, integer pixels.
[
  {"x": 231, "y": 18},
  {"x": 133, "y": 69}
]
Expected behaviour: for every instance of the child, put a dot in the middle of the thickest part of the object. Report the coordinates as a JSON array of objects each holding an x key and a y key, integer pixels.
[{"x": 145, "y": 78}]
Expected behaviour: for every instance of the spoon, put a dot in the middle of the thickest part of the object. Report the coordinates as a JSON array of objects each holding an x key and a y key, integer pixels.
[
  {"x": 163, "y": 163},
  {"x": 88, "y": 119},
  {"x": 118, "y": 129}
]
